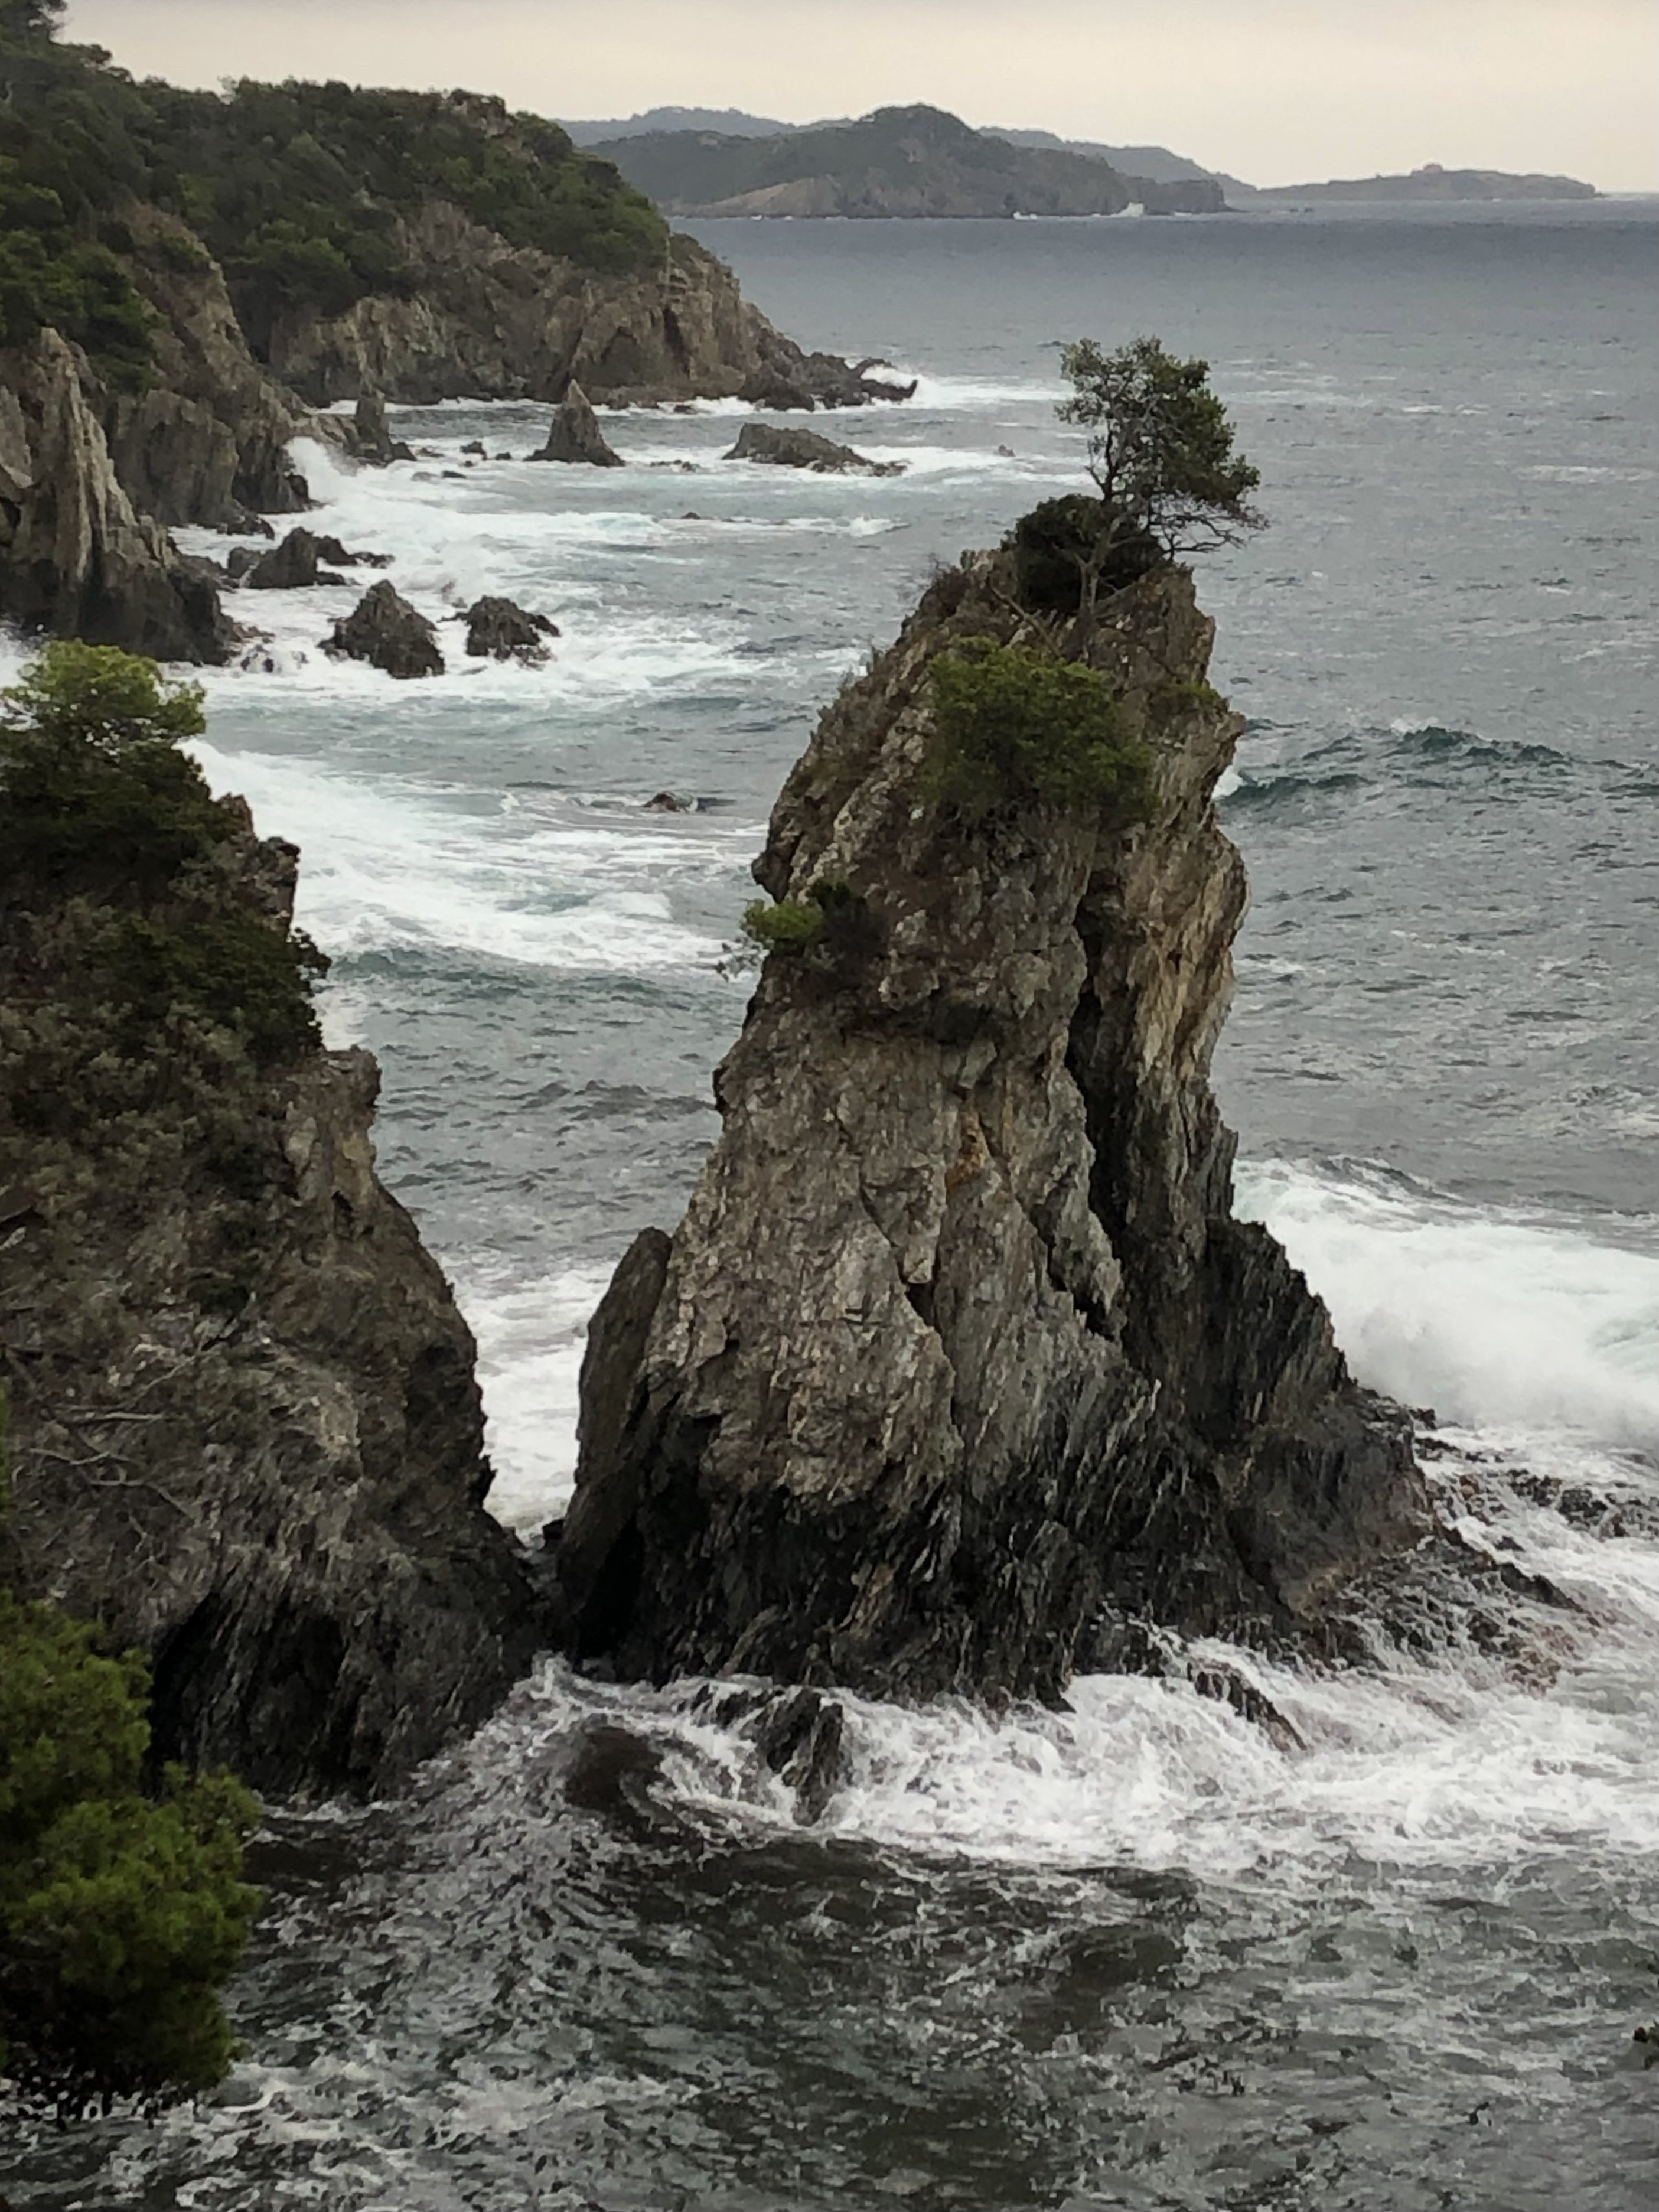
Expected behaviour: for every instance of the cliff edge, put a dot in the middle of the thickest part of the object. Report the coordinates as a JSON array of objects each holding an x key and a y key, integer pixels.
[
  {"x": 960, "y": 1372},
  {"x": 245, "y": 1430}
]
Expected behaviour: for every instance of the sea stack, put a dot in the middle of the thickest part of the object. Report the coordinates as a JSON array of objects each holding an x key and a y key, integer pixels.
[{"x": 960, "y": 1372}]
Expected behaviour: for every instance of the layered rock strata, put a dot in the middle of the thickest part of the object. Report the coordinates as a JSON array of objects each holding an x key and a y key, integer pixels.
[
  {"x": 245, "y": 1430},
  {"x": 77, "y": 558},
  {"x": 960, "y": 1371}
]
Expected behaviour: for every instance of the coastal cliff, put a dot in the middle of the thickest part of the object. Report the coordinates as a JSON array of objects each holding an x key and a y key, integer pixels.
[
  {"x": 960, "y": 1372},
  {"x": 78, "y": 558},
  {"x": 245, "y": 1430}
]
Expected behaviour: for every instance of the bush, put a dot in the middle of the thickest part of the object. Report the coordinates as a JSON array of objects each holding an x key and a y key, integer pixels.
[
  {"x": 121, "y": 1913},
  {"x": 1019, "y": 727},
  {"x": 788, "y": 925},
  {"x": 97, "y": 800},
  {"x": 1064, "y": 549}
]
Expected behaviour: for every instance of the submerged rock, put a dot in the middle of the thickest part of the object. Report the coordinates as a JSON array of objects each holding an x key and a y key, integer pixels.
[
  {"x": 803, "y": 449},
  {"x": 501, "y": 631},
  {"x": 960, "y": 1355},
  {"x": 574, "y": 436},
  {"x": 385, "y": 629}
]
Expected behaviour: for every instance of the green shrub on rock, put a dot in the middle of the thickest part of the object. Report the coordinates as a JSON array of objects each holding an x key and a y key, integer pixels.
[
  {"x": 1017, "y": 727},
  {"x": 783, "y": 925},
  {"x": 122, "y": 1909}
]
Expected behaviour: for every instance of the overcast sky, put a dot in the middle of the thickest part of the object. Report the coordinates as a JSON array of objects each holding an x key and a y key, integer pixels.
[{"x": 1275, "y": 91}]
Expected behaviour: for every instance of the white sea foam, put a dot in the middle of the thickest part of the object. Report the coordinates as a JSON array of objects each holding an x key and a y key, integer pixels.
[
  {"x": 530, "y": 1339},
  {"x": 1490, "y": 1317},
  {"x": 388, "y": 870}
]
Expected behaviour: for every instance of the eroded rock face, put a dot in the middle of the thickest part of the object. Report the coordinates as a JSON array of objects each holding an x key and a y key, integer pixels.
[
  {"x": 75, "y": 558},
  {"x": 959, "y": 1370},
  {"x": 246, "y": 1432},
  {"x": 384, "y": 629},
  {"x": 780, "y": 448},
  {"x": 484, "y": 319},
  {"x": 208, "y": 442},
  {"x": 575, "y": 435}
]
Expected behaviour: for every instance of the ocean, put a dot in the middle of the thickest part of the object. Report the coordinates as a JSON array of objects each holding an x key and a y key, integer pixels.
[{"x": 1132, "y": 1953}]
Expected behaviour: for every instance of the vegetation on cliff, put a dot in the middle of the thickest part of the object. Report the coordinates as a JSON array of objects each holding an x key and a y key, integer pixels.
[
  {"x": 915, "y": 161},
  {"x": 123, "y": 1907},
  {"x": 296, "y": 189},
  {"x": 1017, "y": 727}
]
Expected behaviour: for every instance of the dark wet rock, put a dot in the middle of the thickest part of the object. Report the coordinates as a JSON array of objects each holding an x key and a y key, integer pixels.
[
  {"x": 501, "y": 631},
  {"x": 246, "y": 1431},
  {"x": 769, "y": 388},
  {"x": 666, "y": 802},
  {"x": 575, "y": 436},
  {"x": 960, "y": 1348},
  {"x": 329, "y": 548},
  {"x": 384, "y": 629},
  {"x": 803, "y": 449},
  {"x": 799, "y": 1738},
  {"x": 371, "y": 434},
  {"x": 294, "y": 563},
  {"x": 477, "y": 446}
]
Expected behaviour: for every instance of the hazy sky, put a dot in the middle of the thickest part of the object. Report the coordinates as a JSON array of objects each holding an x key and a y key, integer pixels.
[{"x": 1275, "y": 91}]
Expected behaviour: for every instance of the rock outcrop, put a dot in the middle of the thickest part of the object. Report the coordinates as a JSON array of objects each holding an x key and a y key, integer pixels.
[
  {"x": 372, "y": 440},
  {"x": 295, "y": 564},
  {"x": 206, "y": 442},
  {"x": 384, "y": 629},
  {"x": 483, "y": 319},
  {"x": 960, "y": 1371},
  {"x": 75, "y": 558},
  {"x": 780, "y": 448},
  {"x": 501, "y": 629},
  {"x": 245, "y": 1430},
  {"x": 574, "y": 436}
]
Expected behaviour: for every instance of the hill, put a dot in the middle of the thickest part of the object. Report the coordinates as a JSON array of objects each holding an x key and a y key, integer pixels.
[
  {"x": 1433, "y": 183},
  {"x": 898, "y": 161}
]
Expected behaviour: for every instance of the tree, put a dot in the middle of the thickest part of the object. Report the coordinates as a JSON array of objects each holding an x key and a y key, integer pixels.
[
  {"x": 1161, "y": 452},
  {"x": 122, "y": 1910}
]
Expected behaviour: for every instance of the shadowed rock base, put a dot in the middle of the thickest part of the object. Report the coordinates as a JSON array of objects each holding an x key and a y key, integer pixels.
[{"x": 959, "y": 1371}]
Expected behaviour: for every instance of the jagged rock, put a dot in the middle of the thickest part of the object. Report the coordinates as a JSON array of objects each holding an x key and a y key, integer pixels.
[
  {"x": 481, "y": 319},
  {"x": 246, "y": 1433},
  {"x": 666, "y": 802},
  {"x": 373, "y": 440},
  {"x": 574, "y": 435},
  {"x": 385, "y": 629},
  {"x": 803, "y": 449},
  {"x": 74, "y": 557},
  {"x": 477, "y": 446},
  {"x": 960, "y": 1354},
  {"x": 207, "y": 442},
  {"x": 294, "y": 564},
  {"x": 500, "y": 630},
  {"x": 329, "y": 548},
  {"x": 782, "y": 394}
]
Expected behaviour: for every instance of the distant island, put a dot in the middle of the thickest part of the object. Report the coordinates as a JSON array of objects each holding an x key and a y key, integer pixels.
[
  {"x": 1431, "y": 182},
  {"x": 898, "y": 161}
]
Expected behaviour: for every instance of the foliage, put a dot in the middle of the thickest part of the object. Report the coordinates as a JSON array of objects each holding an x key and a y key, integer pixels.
[
  {"x": 97, "y": 800},
  {"x": 788, "y": 926},
  {"x": 1018, "y": 726},
  {"x": 121, "y": 1911},
  {"x": 1160, "y": 449},
  {"x": 296, "y": 189},
  {"x": 1064, "y": 551}
]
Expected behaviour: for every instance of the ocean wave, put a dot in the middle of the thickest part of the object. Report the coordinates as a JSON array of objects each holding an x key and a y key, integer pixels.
[{"x": 386, "y": 871}]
